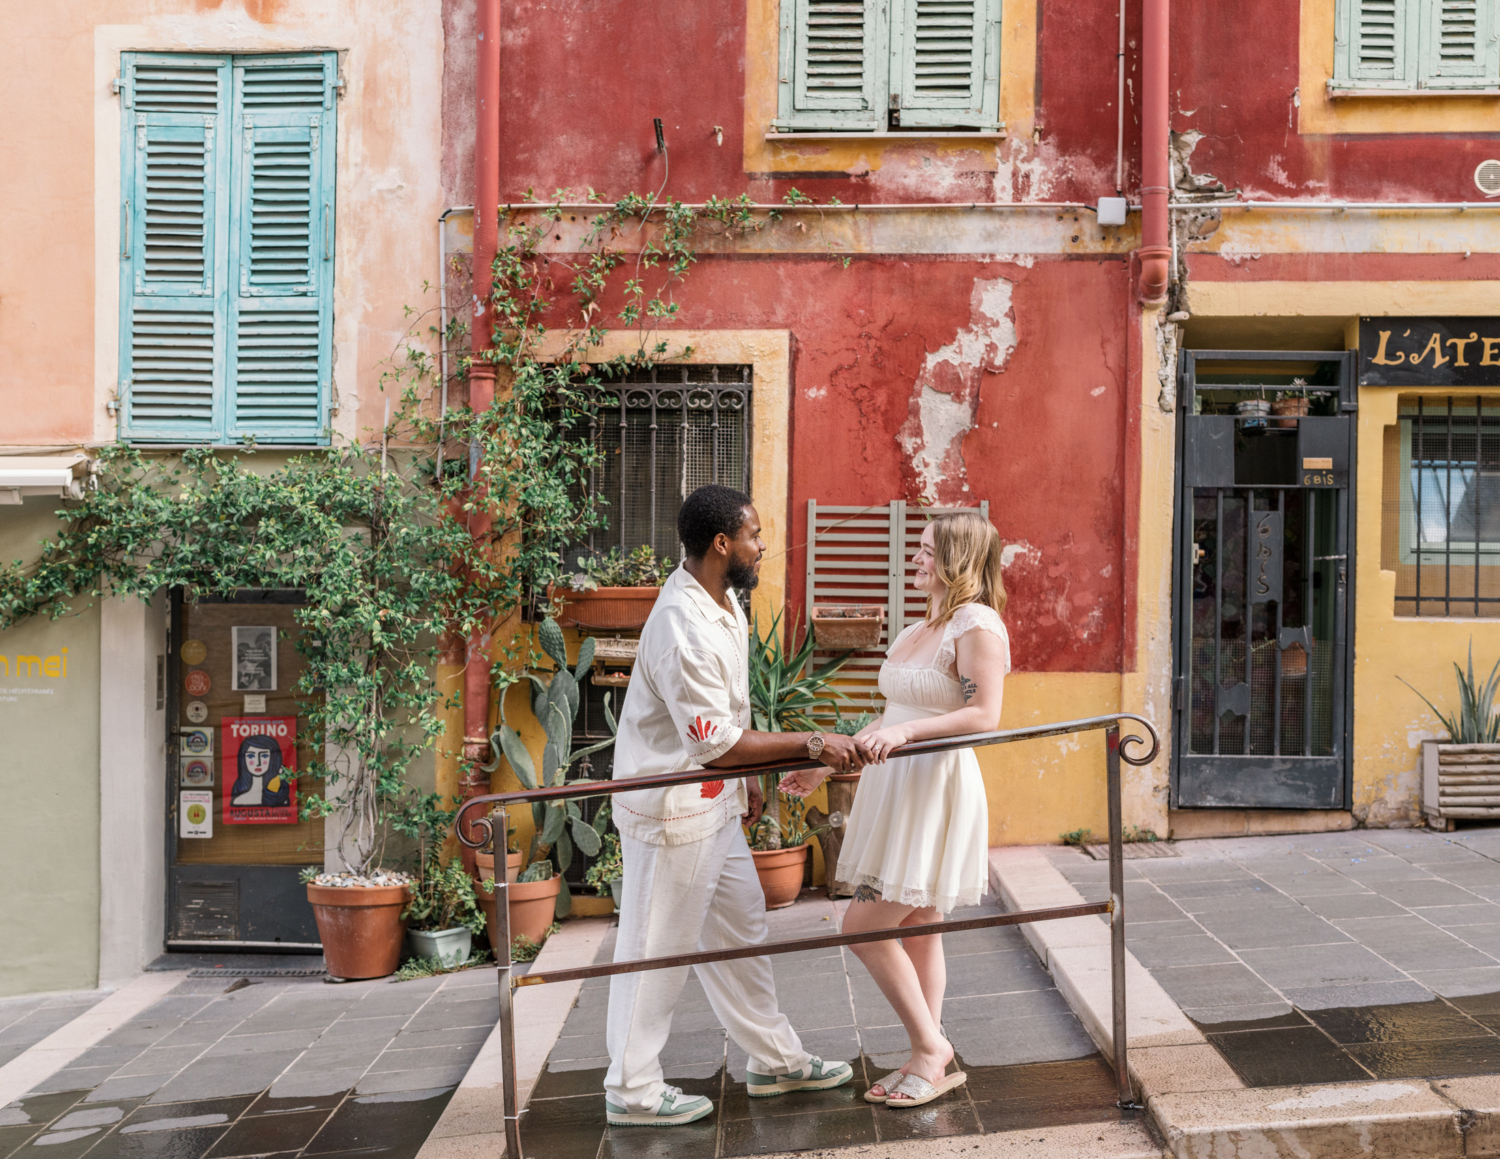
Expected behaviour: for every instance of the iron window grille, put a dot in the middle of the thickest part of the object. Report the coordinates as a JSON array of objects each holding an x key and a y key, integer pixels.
[{"x": 1448, "y": 480}]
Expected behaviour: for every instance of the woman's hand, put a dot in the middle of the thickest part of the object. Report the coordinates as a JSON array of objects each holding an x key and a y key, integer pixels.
[
  {"x": 803, "y": 781},
  {"x": 881, "y": 741}
]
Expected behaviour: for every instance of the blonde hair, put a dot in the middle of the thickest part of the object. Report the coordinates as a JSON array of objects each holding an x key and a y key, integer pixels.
[{"x": 967, "y": 562}]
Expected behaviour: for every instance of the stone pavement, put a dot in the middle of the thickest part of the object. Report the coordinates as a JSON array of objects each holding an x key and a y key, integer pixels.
[
  {"x": 24, "y": 1022},
  {"x": 228, "y": 1066},
  {"x": 1031, "y": 1066},
  {"x": 1324, "y": 958}
]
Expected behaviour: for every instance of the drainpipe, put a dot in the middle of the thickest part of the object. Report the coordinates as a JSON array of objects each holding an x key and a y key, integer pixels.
[
  {"x": 1155, "y": 169},
  {"x": 481, "y": 370}
]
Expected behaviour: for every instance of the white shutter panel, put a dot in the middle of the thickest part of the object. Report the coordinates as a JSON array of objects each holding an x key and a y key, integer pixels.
[
  {"x": 174, "y": 179},
  {"x": 1458, "y": 48},
  {"x": 946, "y": 63},
  {"x": 834, "y": 60},
  {"x": 1376, "y": 44},
  {"x": 281, "y": 319},
  {"x": 862, "y": 555}
]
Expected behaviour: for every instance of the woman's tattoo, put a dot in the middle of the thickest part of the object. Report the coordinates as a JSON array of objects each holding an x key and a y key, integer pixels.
[
  {"x": 969, "y": 687},
  {"x": 866, "y": 893}
]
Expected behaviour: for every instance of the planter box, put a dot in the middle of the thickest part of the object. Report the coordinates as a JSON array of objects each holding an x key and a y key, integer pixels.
[
  {"x": 605, "y": 609},
  {"x": 847, "y": 627},
  {"x": 1460, "y": 781},
  {"x": 450, "y": 947}
]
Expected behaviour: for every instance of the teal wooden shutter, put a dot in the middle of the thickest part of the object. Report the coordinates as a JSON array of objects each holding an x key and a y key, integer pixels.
[
  {"x": 834, "y": 62},
  {"x": 945, "y": 63},
  {"x": 173, "y": 254},
  {"x": 281, "y": 317},
  {"x": 1458, "y": 45},
  {"x": 1376, "y": 44}
]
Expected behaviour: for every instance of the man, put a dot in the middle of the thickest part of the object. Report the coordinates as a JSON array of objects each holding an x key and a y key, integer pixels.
[{"x": 689, "y": 879}]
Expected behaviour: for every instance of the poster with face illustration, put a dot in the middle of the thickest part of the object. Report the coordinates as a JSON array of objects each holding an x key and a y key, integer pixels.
[{"x": 259, "y": 765}]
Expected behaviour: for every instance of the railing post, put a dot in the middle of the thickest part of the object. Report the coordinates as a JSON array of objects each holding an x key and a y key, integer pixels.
[
  {"x": 508, "y": 1108},
  {"x": 1117, "y": 912}
]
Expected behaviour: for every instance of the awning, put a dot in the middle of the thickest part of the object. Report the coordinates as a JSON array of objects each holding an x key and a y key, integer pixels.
[{"x": 57, "y": 476}]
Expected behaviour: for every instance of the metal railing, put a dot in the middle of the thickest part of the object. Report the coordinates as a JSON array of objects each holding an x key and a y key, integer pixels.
[{"x": 477, "y": 831}]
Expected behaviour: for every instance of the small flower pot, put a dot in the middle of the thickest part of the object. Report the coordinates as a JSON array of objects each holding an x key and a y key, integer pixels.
[
  {"x": 615, "y": 885},
  {"x": 847, "y": 627},
  {"x": 1288, "y": 411},
  {"x": 450, "y": 947},
  {"x": 605, "y": 609},
  {"x": 360, "y": 928},
  {"x": 533, "y": 907},
  {"x": 1253, "y": 411},
  {"x": 780, "y": 873},
  {"x": 485, "y": 863}
]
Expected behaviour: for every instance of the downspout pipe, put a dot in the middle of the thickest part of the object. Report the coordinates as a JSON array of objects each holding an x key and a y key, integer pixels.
[
  {"x": 481, "y": 369},
  {"x": 1156, "y": 251}
]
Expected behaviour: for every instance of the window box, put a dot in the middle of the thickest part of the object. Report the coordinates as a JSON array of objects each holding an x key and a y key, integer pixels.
[
  {"x": 605, "y": 609},
  {"x": 848, "y": 627}
]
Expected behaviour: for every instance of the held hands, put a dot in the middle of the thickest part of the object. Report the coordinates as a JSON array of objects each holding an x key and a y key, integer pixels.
[
  {"x": 756, "y": 804},
  {"x": 880, "y": 741},
  {"x": 841, "y": 754}
]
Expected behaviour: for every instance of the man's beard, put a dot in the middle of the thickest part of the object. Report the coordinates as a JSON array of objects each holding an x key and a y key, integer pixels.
[{"x": 743, "y": 577}]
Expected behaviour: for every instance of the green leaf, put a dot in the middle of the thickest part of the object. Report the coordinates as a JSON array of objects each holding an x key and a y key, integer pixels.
[
  {"x": 559, "y": 727},
  {"x": 550, "y": 636},
  {"x": 563, "y": 693},
  {"x": 585, "y": 659},
  {"x": 563, "y": 851},
  {"x": 585, "y": 837},
  {"x": 553, "y": 828},
  {"x": 518, "y": 756},
  {"x": 564, "y": 902}
]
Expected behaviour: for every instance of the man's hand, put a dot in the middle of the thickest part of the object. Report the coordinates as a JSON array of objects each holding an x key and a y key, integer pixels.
[
  {"x": 845, "y": 754},
  {"x": 802, "y": 782},
  {"x": 757, "y": 802}
]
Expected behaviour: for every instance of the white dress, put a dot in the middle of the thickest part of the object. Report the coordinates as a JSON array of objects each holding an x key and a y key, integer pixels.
[{"x": 918, "y": 833}]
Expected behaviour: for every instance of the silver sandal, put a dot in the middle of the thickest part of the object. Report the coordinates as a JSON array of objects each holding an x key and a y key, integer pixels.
[
  {"x": 890, "y": 1083},
  {"x": 919, "y": 1091}
]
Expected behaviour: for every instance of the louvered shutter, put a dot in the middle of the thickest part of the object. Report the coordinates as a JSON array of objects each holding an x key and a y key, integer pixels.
[
  {"x": 834, "y": 62},
  {"x": 174, "y": 223},
  {"x": 1458, "y": 46},
  {"x": 862, "y": 555},
  {"x": 1376, "y": 44},
  {"x": 945, "y": 62},
  {"x": 281, "y": 317}
]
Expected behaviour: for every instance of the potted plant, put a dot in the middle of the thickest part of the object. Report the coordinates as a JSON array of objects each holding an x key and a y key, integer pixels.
[
  {"x": 607, "y": 873},
  {"x": 1290, "y": 405},
  {"x": 1461, "y": 776},
  {"x": 610, "y": 592},
  {"x": 442, "y": 914},
  {"x": 847, "y": 627},
  {"x": 484, "y": 860},
  {"x": 538, "y": 895},
  {"x": 780, "y": 852}
]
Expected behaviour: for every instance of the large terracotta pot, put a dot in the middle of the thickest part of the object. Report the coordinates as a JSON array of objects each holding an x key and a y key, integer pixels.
[
  {"x": 485, "y": 862},
  {"x": 361, "y": 928},
  {"x": 780, "y": 873},
  {"x": 605, "y": 609},
  {"x": 533, "y": 907}
]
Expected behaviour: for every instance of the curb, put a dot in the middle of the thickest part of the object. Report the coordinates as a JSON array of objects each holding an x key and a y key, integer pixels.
[
  {"x": 471, "y": 1126},
  {"x": 1197, "y": 1102}
]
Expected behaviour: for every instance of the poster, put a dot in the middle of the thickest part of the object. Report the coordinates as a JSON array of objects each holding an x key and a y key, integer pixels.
[
  {"x": 197, "y": 772},
  {"x": 254, "y": 659},
  {"x": 259, "y": 765},
  {"x": 195, "y": 813}
]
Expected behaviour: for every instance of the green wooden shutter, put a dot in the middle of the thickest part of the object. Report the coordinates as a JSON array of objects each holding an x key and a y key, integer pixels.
[
  {"x": 945, "y": 63},
  {"x": 173, "y": 254},
  {"x": 1458, "y": 45},
  {"x": 1376, "y": 44},
  {"x": 834, "y": 61},
  {"x": 280, "y": 325}
]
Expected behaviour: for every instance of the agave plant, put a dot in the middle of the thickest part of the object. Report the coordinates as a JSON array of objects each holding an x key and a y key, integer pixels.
[
  {"x": 559, "y": 826},
  {"x": 1475, "y": 722}
]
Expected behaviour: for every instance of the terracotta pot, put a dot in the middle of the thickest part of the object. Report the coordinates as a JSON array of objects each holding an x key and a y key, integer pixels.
[
  {"x": 1296, "y": 407},
  {"x": 605, "y": 609},
  {"x": 780, "y": 873},
  {"x": 485, "y": 863},
  {"x": 533, "y": 907},
  {"x": 361, "y": 928},
  {"x": 847, "y": 627}
]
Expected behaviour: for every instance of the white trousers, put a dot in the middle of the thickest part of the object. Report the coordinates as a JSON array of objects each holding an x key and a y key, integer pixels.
[{"x": 703, "y": 895}]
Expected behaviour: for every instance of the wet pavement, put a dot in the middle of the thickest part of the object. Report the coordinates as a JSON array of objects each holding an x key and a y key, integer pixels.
[
  {"x": 1029, "y": 1061},
  {"x": 24, "y": 1022},
  {"x": 1327, "y": 957},
  {"x": 228, "y": 1065}
]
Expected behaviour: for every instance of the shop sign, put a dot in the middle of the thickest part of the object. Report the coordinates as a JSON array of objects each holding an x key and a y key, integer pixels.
[
  {"x": 260, "y": 762},
  {"x": 1429, "y": 351}
]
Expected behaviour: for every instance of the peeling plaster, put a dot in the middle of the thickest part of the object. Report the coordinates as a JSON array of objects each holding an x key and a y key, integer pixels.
[{"x": 945, "y": 396}]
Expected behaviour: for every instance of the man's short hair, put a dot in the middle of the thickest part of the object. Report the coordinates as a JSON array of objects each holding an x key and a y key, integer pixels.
[{"x": 710, "y": 511}]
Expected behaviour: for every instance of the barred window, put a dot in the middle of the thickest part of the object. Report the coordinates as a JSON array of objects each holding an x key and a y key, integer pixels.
[
  {"x": 1443, "y": 473},
  {"x": 663, "y": 432}
]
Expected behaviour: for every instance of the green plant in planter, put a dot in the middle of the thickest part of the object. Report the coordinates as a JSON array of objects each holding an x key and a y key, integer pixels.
[
  {"x": 640, "y": 569},
  {"x": 607, "y": 867},
  {"x": 559, "y": 825},
  {"x": 790, "y": 831},
  {"x": 1475, "y": 721},
  {"x": 851, "y": 725},
  {"x": 442, "y": 896}
]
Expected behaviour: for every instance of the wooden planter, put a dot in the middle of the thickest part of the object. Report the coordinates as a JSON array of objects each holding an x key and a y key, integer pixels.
[
  {"x": 361, "y": 928},
  {"x": 605, "y": 609},
  {"x": 1460, "y": 781},
  {"x": 847, "y": 627},
  {"x": 780, "y": 873}
]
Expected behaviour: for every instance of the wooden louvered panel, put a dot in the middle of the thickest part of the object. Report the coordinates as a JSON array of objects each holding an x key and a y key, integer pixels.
[
  {"x": 1458, "y": 31},
  {"x": 835, "y": 63},
  {"x": 276, "y": 378},
  {"x": 300, "y": 86},
  {"x": 1379, "y": 38},
  {"x": 176, "y": 206},
  {"x": 835, "y": 46},
  {"x": 945, "y": 62},
  {"x": 1459, "y": 47},
  {"x": 171, "y": 372},
  {"x": 176, "y": 86},
  {"x": 1460, "y": 780},
  {"x": 280, "y": 217},
  {"x": 943, "y": 50}
]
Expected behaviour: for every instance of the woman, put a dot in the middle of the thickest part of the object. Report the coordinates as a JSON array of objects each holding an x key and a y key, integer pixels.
[
  {"x": 259, "y": 780},
  {"x": 916, "y": 843}
]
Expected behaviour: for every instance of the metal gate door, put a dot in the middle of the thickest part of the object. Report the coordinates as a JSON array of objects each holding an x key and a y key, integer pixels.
[{"x": 1263, "y": 593}]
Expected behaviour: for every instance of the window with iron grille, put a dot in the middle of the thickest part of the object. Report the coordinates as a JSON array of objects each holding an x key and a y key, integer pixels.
[
  {"x": 1442, "y": 509},
  {"x": 663, "y": 432}
]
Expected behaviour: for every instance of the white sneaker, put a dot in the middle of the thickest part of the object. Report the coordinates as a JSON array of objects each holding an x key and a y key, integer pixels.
[{"x": 674, "y": 1110}]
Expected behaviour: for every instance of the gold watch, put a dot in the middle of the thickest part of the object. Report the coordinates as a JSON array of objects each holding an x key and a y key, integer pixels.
[{"x": 815, "y": 745}]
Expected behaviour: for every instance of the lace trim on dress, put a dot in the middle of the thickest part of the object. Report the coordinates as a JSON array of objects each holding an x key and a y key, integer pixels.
[
  {"x": 966, "y": 619},
  {"x": 904, "y": 895}
]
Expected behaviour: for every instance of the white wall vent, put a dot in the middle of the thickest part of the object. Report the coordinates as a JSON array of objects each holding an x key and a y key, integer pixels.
[{"x": 1487, "y": 177}]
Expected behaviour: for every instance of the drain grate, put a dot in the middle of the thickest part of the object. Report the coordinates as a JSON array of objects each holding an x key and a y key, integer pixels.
[
  {"x": 275, "y": 972},
  {"x": 1134, "y": 850}
]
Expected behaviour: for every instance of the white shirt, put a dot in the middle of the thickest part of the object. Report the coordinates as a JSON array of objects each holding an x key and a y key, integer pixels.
[{"x": 687, "y": 703}]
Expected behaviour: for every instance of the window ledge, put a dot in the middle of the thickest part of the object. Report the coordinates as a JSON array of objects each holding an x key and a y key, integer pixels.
[
  {"x": 1406, "y": 94},
  {"x": 875, "y": 135}
]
